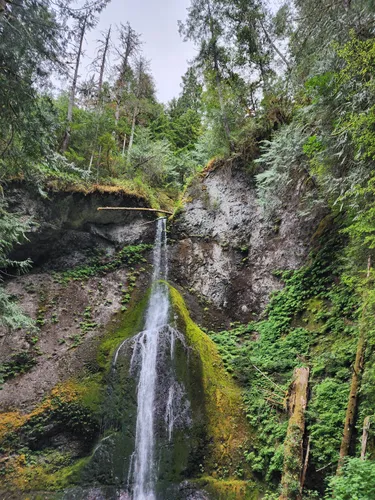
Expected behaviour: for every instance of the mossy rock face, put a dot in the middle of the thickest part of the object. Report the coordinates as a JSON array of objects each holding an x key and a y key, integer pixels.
[
  {"x": 47, "y": 448},
  {"x": 226, "y": 431},
  {"x": 179, "y": 453},
  {"x": 230, "y": 489},
  {"x": 209, "y": 428}
]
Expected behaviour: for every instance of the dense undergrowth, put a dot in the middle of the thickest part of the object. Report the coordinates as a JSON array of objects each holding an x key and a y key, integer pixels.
[{"x": 313, "y": 321}]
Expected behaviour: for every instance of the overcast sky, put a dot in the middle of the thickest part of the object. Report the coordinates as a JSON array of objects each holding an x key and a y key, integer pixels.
[{"x": 156, "y": 20}]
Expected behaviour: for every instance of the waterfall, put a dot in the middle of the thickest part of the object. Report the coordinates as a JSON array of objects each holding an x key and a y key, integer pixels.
[
  {"x": 148, "y": 416},
  {"x": 145, "y": 355}
]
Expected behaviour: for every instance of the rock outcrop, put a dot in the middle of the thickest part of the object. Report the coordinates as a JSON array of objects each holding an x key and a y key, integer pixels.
[
  {"x": 226, "y": 251},
  {"x": 67, "y": 226}
]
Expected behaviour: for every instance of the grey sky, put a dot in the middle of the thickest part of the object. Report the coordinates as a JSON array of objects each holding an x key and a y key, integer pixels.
[{"x": 157, "y": 22}]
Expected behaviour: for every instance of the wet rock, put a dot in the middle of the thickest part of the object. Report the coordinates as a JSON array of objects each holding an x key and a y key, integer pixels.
[
  {"x": 226, "y": 251},
  {"x": 67, "y": 227}
]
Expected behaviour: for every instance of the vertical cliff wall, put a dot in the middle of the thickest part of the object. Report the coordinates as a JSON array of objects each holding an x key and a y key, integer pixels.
[{"x": 226, "y": 251}]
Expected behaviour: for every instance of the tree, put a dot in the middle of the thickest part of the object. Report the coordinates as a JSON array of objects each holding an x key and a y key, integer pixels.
[
  {"x": 143, "y": 92},
  {"x": 247, "y": 25},
  {"x": 102, "y": 57},
  {"x": 191, "y": 95},
  {"x": 129, "y": 47},
  {"x": 84, "y": 21},
  {"x": 204, "y": 27},
  {"x": 32, "y": 46}
]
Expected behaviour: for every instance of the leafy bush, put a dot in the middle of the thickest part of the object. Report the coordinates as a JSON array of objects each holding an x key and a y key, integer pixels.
[{"x": 356, "y": 482}]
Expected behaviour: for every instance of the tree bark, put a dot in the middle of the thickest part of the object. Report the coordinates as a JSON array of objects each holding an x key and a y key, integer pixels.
[
  {"x": 73, "y": 89},
  {"x": 102, "y": 66},
  {"x": 354, "y": 386},
  {"x": 132, "y": 131},
  {"x": 366, "y": 428},
  {"x": 305, "y": 464},
  {"x": 291, "y": 481},
  {"x": 123, "y": 145},
  {"x": 139, "y": 209},
  {"x": 352, "y": 402}
]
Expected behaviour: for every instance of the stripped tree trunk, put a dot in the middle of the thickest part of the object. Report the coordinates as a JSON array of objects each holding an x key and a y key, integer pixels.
[
  {"x": 73, "y": 90},
  {"x": 291, "y": 482},
  {"x": 102, "y": 65},
  {"x": 305, "y": 464},
  {"x": 280, "y": 54},
  {"x": 137, "y": 209},
  {"x": 123, "y": 145},
  {"x": 366, "y": 428},
  {"x": 131, "y": 139}
]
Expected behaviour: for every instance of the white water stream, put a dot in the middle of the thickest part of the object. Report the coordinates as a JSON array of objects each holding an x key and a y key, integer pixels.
[{"x": 145, "y": 355}]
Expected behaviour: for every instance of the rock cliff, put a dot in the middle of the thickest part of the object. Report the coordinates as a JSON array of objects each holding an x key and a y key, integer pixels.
[{"x": 226, "y": 251}]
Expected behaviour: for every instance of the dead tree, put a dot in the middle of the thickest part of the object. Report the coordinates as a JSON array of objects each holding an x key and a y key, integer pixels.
[
  {"x": 73, "y": 88},
  {"x": 293, "y": 468}
]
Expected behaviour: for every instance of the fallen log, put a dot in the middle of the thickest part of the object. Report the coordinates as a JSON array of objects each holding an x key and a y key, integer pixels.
[
  {"x": 140, "y": 209},
  {"x": 293, "y": 470}
]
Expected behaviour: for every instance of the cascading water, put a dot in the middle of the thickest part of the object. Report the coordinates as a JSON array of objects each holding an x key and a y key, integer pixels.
[
  {"x": 145, "y": 445},
  {"x": 145, "y": 356}
]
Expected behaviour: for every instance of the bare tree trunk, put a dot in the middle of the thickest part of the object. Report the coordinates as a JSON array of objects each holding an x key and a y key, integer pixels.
[
  {"x": 73, "y": 89},
  {"x": 354, "y": 386},
  {"x": 305, "y": 464},
  {"x": 132, "y": 131},
  {"x": 123, "y": 145},
  {"x": 291, "y": 481},
  {"x": 91, "y": 160},
  {"x": 139, "y": 209},
  {"x": 102, "y": 66},
  {"x": 280, "y": 54},
  {"x": 366, "y": 428},
  {"x": 117, "y": 113}
]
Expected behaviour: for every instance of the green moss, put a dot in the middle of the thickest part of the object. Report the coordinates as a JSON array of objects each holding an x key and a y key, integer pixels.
[
  {"x": 229, "y": 490},
  {"x": 226, "y": 425},
  {"x": 131, "y": 323},
  {"x": 48, "y": 475}
]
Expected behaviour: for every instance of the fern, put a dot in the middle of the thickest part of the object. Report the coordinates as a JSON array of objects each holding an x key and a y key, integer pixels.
[{"x": 12, "y": 231}]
